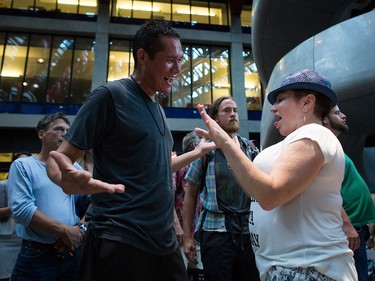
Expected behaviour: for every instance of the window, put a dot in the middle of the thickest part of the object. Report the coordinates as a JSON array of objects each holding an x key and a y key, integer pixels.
[
  {"x": 121, "y": 62},
  {"x": 252, "y": 82},
  {"x": 180, "y": 11},
  {"x": 205, "y": 74},
  {"x": 84, "y": 7},
  {"x": 246, "y": 17},
  {"x": 13, "y": 67},
  {"x": 220, "y": 72},
  {"x": 83, "y": 63},
  {"x": 35, "y": 82},
  {"x": 45, "y": 68}
]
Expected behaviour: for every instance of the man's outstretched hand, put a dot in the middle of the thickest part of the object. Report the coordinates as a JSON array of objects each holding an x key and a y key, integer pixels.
[{"x": 74, "y": 181}]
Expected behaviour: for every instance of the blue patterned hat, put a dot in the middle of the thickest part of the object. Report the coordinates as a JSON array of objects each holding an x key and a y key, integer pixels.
[{"x": 305, "y": 79}]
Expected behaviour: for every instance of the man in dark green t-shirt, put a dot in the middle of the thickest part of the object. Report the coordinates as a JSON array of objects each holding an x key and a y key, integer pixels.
[{"x": 357, "y": 200}]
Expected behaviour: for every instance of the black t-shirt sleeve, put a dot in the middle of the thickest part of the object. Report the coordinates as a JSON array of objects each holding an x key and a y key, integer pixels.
[{"x": 95, "y": 119}]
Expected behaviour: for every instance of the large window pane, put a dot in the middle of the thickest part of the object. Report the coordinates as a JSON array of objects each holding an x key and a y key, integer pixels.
[
  {"x": 252, "y": 82},
  {"x": 201, "y": 75},
  {"x": 199, "y": 12},
  {"x": 142, "y": 9},
  {"x": 181, "y": 92},
  {"x": 122, "y": 8},
  {"x": 87, "y": 7},
  {"x": 60, "y": 70},
  {"x": 162, "y": 10},
  {"x": 68, "y": 6},
  {"x": 6, "y": 4},
  {"x": 220, "y": 72},
  {"x": 218, "y": 13},
  {"x": 246, "y": 17},
  {"x": 181, "y": 10},
  {"x": 23, "y": 4},
  {"x": 205, "y": 76},
  {"x": 121, "y": 62},
  {"x": 48, "y": 5},
  {"x": 34, "y": 86},
  {"x": 13, "y": 68},
  {"x": 82, "y": 70}
]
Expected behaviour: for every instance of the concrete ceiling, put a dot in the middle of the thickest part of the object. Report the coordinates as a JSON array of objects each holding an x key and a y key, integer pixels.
[
  {"x": 345, "y": 55},
  {"x": 280, "y": 25}
]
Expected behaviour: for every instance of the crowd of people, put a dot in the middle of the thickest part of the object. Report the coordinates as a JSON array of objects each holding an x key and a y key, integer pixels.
[{"x": 297, "y": 210}]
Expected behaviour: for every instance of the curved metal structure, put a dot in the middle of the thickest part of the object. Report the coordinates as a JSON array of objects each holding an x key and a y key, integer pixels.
[{"x": 342, "y": 49}]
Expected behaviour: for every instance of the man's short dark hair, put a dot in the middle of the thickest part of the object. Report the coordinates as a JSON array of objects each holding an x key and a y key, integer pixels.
[
  {"x": 48, "y": 119},
  {"x": 148, "y": 37}
]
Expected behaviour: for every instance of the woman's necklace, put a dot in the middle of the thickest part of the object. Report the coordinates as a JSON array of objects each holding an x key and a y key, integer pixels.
[{"x": 143, "y": 95}]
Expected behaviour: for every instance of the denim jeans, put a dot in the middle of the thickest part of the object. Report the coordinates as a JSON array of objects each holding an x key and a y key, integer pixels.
[
  {"x": 39, "y": 262},
  {"x": 360, "y": 255}
]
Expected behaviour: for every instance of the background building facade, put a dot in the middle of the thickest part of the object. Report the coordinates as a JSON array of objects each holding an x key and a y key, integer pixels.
[{"x": 54, "y": 52}]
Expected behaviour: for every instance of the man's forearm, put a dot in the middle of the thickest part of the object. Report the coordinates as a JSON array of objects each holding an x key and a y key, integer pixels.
[{"x": 42, "y": 222}]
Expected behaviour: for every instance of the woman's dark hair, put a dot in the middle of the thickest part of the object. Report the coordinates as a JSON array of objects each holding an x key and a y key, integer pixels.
[
  {"x": 322, "y": 106},
  {"x": 215, "y": 106},
  {"x": 148, "y": 38}
]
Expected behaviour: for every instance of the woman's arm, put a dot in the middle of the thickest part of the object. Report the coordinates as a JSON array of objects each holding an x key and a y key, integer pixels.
[{"x": 298, "y": 165}]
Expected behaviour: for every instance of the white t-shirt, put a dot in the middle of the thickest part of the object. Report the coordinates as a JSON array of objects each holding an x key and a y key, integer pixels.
[{"x": 307, "y": 230}]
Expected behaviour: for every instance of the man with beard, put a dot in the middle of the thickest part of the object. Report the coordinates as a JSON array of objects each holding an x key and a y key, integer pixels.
[
  {"x": 223, "y": 225},
  {"x": 357, "y": 201}
]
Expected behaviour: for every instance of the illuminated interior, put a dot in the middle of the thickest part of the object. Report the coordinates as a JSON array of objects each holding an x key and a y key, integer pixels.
[{"x": 180, "y": 11}]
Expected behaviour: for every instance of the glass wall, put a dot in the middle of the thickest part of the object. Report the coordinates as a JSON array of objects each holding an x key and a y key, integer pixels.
[
  {"x": 184, "y": 11},
  {"x": 205, "y": 74},
  {"x": 84, "y": 7},
  {"x": 252, "y": 83},
  {"x": 246, "y": 17},
  {"x": 45, "y": 69},
  {"x": 13, "y": 67},
  {"x": 180, "y": 11},
  {"x": 48, "y": 69},
  {"x": 121, "y": 62}
]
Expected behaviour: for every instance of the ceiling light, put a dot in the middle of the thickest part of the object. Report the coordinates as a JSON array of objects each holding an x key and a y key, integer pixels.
[
  {"x": 186, "y": 12},
  {"x": 139, "y": 8},
  {"x": 10, "y": 74}
]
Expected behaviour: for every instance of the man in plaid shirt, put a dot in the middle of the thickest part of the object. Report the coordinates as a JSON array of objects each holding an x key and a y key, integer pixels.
[{"x": 222, "y": 227}]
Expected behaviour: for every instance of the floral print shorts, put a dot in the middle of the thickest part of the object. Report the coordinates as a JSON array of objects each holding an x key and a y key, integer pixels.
[{"x": 278, "y": 273}]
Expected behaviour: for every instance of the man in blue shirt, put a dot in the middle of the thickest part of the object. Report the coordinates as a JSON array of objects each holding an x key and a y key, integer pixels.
[{"x": 45, "y": 215}]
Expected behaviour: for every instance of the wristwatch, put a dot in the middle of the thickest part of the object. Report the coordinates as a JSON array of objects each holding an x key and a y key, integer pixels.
[{"x": 83, "y": 227}]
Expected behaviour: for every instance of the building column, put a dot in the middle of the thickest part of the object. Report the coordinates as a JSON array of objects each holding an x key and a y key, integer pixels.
[
  {"x": 237, "y": 73},
  {"x": 99, "y": 75}
]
